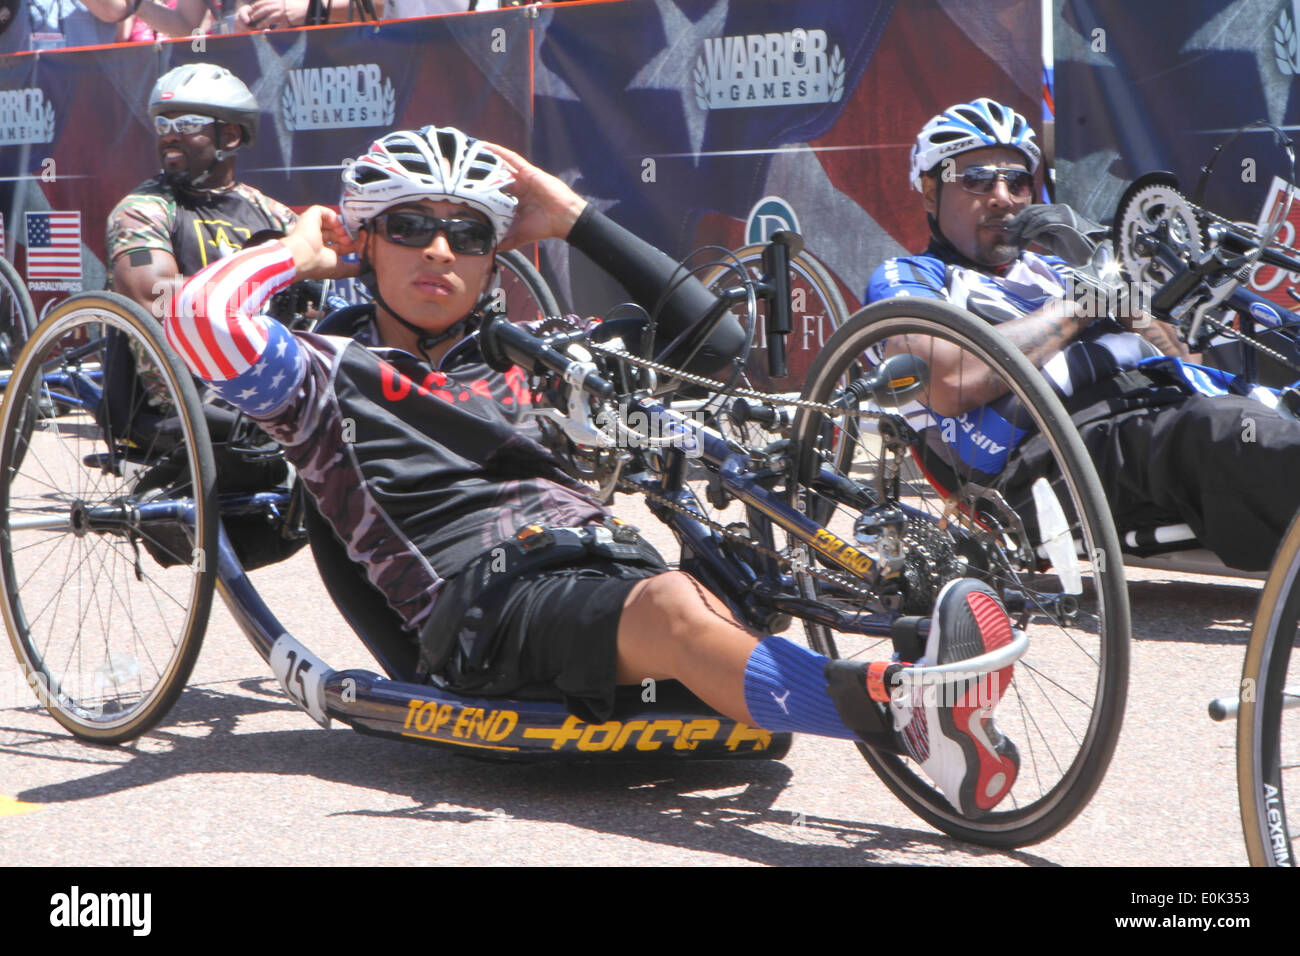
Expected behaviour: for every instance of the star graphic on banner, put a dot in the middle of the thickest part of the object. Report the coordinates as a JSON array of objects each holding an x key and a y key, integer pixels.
[
  {"x": 274, "y": 69},
  {"x": 671, "y": 68},
  {"x": 560, "y": 264},
  {"x": 276, "y": 379},
  {"x": 1247, "y": 27},
  {"x": 546, "y": 82},
  {"x": 1070, "y": 44},
  {"x": 795, "y": 170},
  {"x": 246, "y": 394},
  {"x": 259, "y": 368},
  {"x": 1094, "y": 189}
]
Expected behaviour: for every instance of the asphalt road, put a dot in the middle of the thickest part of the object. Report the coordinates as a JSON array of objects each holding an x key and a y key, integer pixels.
[{"x": 236, "y": 775}]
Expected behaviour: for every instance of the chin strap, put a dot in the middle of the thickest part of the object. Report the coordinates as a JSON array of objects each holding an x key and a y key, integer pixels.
[
  {"x": 425, "y": 339},
  {"x": 944, "y": 250},
  {"x": 183, "y": 179}
]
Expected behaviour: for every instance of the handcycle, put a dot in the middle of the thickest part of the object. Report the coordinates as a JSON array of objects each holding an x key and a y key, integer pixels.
[
  {"x": 1194, "y": 264},
  {"x": 112, "y": 544}
]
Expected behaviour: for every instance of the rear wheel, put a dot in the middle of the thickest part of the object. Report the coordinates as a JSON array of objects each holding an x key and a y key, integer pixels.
[
  {"x": 527, "y": 296},
  {"x": 920, "y": 499},
  {"x": 17, "y": 314},
  {"x": 1268, "y": 719},
  {"x": 109, "y": 526}
]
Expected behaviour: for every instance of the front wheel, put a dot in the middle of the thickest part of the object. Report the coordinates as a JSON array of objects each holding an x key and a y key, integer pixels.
[
  {"x": 527, "y": 296},
  {"x": 108, "y": 523},
  {"x": 1268, "y": 718},
  {"x": 986, "y": 492}
]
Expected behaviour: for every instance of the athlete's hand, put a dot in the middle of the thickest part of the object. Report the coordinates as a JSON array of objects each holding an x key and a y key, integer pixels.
[
  {"x": 319, "y": 242},
  {"x": 547, "y": 208}
]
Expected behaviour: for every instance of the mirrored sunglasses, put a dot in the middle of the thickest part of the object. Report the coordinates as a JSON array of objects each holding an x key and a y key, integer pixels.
[
  {"x": 981, "y": 179},
  {"x": 186, "y": 125}
]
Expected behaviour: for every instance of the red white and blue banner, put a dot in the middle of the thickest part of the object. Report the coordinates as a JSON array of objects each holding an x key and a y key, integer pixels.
[{"x": 690, "y": 121}]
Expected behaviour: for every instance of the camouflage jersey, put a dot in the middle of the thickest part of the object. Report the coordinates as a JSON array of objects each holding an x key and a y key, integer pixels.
[
  {"x": 418, "y": 470},
  {"x": 197, "y": 227}
]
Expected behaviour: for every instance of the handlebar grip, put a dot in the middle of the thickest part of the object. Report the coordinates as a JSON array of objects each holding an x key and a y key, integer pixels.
[
  {"x": 505, "y": 344},
  {"x": 782, "y": 247}
]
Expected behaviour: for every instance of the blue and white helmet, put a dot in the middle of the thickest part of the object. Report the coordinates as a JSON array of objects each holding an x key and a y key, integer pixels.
[{"x": 967, "y": 126}]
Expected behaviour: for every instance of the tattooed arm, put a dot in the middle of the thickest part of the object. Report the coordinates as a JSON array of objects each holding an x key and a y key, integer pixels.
[
  {"x": 960, "y": 381},
  {"x": 1162, "y": 336}
]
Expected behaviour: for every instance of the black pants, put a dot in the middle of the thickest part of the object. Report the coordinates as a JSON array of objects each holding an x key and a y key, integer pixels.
[{"x": 1227, "y": 466}]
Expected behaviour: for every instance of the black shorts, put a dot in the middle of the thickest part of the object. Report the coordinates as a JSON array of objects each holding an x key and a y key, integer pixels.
[{"x": 555, "y": 631}]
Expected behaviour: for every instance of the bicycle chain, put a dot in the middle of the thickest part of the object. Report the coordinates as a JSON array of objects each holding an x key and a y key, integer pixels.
[
  {"x": 805, "y": 566},
  {"x": 1248, "y": 232},
  {"x": 825, "y": 574},
  {"x": 711, "y": 384},
  {"x": 1229, "y": 331}
]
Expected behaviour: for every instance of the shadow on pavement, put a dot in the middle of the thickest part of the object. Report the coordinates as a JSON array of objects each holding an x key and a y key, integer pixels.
[{"x": 708, "y": 806}]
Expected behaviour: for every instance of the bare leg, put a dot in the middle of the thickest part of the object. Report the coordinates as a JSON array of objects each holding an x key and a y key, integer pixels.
[{"x": 674, "y": 629}]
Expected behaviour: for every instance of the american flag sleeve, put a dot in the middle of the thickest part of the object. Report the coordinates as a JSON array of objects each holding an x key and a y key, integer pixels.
[{"x": 250, "y": 360}]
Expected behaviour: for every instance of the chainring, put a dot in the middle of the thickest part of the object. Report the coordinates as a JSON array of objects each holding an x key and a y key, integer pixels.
[{"x": 1142, "y": 214}]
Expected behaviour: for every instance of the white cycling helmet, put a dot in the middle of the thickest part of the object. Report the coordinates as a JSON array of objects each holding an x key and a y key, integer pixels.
[
  {"x": 967, "y": 126},
  {"x": 429, "y": 163}
]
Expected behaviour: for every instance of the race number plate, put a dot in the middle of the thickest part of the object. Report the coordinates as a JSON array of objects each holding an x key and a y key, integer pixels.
[{"x": 302, "y": 675}]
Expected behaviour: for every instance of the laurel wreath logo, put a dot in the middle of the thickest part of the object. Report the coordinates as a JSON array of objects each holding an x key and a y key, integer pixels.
[
  {"x": 837, "y": 75},
  {"x": 1286, "y": 44},
  {"x": 48, "y": 123},
  {"x": 286, "y": 108},
  {"x": 390, "y": 102},
  {"x": 701, "y": 84}
]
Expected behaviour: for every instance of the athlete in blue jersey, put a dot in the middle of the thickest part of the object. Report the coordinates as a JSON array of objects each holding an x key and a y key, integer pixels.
[{"x": 1167, "y": 441}]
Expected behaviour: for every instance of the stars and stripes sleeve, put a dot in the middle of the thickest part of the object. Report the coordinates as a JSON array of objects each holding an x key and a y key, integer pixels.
[{"x": 250, "y": 360}]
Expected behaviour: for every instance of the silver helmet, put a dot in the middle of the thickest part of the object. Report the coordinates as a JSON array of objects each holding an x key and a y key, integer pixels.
[{"x": 210, "y": 90}]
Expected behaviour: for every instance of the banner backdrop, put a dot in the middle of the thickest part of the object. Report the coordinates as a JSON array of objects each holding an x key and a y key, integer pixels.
[
  {"x": 689, "y": 121},
  {"x": 1158, "y": 86}
]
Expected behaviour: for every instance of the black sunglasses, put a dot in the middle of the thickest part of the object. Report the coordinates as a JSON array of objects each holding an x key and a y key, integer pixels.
[
  {"x": 981, "y": 179},
  {"x": 467, "y": 237}
]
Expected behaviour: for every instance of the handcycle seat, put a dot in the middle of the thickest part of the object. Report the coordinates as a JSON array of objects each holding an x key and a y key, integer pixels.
[{"x": 380, "y": 628}]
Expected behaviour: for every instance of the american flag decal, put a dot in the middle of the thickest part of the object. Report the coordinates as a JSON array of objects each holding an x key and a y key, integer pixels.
[{"x": 54, "y": 247}]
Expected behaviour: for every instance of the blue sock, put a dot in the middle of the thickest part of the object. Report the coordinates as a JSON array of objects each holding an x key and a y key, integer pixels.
[{"x": 785, "y": 689}]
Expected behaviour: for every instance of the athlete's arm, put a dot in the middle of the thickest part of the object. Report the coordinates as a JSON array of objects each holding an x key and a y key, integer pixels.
[
  {"x": 960, "y": 381},
  {"x": 147, "y": 276},
  {"x": 1162, "y": 335},
  {"x": 548, "y": 208},
  {"x": 252, "y": 361}
]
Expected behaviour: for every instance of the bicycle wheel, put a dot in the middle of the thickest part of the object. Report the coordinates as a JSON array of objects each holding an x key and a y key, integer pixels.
[
  {"x": 17, "y": 314},
  {"x": 109, "y": 526},
  {"x": 1066, "y": 699},
  {"x": 1268, "y": 718},
  {"x": 527, "y": 296},
  {"x": 816, "y": 309}
]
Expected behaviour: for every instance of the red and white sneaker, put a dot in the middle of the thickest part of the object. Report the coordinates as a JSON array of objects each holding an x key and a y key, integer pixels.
[{"x": 950, "y": 730}]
